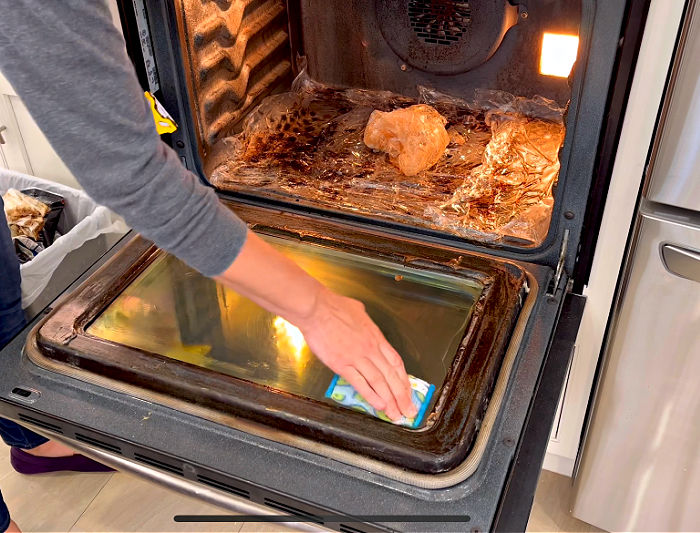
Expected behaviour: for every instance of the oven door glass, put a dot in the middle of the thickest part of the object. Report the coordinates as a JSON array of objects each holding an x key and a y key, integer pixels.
[{"x": 173, "y": 311}]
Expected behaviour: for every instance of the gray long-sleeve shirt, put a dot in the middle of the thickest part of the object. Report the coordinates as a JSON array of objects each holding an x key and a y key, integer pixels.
[{"x": 69, "y": 65}]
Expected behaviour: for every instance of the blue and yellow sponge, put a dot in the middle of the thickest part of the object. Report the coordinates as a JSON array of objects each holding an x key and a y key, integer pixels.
[{"x": 342, "y": 392}]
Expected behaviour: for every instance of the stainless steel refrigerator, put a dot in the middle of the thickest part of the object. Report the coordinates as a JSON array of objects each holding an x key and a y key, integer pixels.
[{"x": 640, "y": 467}]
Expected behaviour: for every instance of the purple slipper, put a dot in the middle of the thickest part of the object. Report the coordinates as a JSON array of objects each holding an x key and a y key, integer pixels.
[{"x": 26, "y": 463}]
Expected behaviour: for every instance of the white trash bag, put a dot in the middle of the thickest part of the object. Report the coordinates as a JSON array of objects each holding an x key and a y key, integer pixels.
[{"x": 81, "y": 221}]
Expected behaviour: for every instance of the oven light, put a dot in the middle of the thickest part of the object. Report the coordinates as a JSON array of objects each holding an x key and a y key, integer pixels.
[
  {"x": 289, "y": 338},
  {"x": 558, "y": 54}
]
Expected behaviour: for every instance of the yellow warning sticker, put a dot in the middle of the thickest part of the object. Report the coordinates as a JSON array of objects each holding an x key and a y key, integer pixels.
[{"x": 164, "y": 122}]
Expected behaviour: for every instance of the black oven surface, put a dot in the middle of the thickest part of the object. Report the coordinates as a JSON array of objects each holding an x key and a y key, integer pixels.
[
  {"x": 451, "y": 315},
  {"x": 262, "y": 471}
]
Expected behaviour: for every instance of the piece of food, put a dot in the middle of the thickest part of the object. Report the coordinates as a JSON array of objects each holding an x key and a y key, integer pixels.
[
  {"x": 414, "y": 137},
  {"x": 25, "y": 215}
]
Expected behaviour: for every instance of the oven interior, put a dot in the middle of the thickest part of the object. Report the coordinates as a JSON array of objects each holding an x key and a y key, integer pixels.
[{"x": 281, "y": 94}]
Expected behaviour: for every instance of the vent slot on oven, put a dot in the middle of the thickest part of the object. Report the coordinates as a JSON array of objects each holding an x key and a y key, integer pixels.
[
  {"x": 310, "y": 517},
  {"x": 173, "y": 469},
  {"x": 224, "y": 486},
  {"x": 40, "y": 423},
  {"x": 238, "y": 52},
  {"x": 98, "y": 443},
  {"x": 439, "y": 21}
]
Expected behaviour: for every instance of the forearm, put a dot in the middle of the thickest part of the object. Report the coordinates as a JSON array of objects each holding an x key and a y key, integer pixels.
[{"x": 273, "y": 281}]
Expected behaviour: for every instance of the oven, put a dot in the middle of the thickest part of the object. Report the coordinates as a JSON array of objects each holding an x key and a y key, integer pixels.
[{"x": 468, "y": 254}]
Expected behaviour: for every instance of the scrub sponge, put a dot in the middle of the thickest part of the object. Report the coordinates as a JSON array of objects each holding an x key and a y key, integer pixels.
[{"x": 343, "y": 393}]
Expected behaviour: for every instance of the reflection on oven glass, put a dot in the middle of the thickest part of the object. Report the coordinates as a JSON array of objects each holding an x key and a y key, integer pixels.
[{"x": 173, "y": 311}]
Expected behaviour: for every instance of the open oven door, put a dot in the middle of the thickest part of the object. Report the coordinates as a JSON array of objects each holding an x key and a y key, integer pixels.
[
  {"x": 241, "y": 446},
  {"x": 250, "y": 472}
]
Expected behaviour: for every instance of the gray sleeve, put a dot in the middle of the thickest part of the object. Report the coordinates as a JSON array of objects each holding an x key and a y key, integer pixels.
[{"x": 69, "y": 65}]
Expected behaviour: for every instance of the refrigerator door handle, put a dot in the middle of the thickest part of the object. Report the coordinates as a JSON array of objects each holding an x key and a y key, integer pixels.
[{"x": 681, "y": 261}]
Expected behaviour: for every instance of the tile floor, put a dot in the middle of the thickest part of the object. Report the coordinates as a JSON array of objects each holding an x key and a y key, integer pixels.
[{"x": 121, "y": 502}]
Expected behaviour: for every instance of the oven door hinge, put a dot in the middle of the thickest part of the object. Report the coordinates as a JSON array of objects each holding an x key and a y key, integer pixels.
[{"x": 553, "y": 287}]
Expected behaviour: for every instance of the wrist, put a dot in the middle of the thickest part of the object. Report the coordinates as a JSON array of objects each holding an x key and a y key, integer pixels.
[{"x": 311, "y": 312}]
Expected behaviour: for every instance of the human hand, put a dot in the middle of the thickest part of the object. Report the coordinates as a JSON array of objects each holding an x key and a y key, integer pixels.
[
  {"x": 336, "y": 328},
  {"x": 343, "y": 336}
]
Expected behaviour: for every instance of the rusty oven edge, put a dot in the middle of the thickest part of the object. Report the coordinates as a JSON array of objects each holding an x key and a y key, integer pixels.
[{"x": 439, "y": 447}]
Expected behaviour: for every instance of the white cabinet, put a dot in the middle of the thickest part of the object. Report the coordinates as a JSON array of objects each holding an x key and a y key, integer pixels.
[{"x": 25, "y": 148}]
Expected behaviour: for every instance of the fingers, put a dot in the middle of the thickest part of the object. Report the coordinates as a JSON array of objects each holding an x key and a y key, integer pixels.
[
  {"x": 378, "y": 381},
  {"x": 362, "y": 355},
  {"x": 391, "y": 365},
  {"x": 398, "y": 381},
  {"x": 360, "y": 384},
  {"x": 391, "y": 355}
]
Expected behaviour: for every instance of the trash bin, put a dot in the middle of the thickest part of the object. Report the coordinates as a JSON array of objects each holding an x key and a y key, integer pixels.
[{"x": 87, "y": 230}]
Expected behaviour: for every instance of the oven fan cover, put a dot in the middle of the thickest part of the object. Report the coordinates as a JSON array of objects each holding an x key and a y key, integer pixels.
[{"x": 445, "y": 36}]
